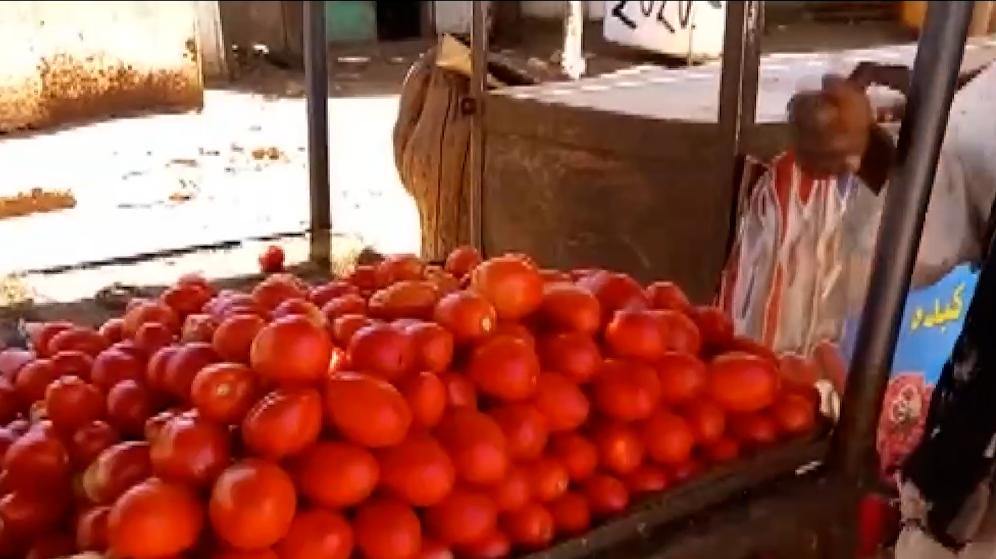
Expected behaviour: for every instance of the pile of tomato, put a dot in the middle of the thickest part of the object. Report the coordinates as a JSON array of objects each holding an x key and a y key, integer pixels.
[{"x": 477, "y": 409}]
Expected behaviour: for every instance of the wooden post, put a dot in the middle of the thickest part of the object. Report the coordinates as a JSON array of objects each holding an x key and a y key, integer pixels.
[
  {"x": 572, "y": 60},
  {"x": 316, "y": 77},
  {"x": 479, "y": 70}
]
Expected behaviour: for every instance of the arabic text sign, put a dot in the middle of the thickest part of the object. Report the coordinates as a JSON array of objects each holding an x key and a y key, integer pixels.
[{"x": 685, "y": 28}]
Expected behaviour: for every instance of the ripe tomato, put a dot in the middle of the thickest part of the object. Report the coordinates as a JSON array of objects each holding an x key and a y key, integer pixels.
[
  {"x": 679, "y": 331},
  {"x": 36, "y": 459},
  {"x": 325, "y": 293},
  {"x": 149, "y": 311},
  {"x": 426, "y": 397},
  {"x": 283, "y": 423},
  {"x": 30, "y": 514},
  {"x": 614, "y": 292},
  {"x": 11, "y": 361},
  {"x": 91, "y": 529},
  {"x": 462, "y": 261},
  {"x": 183, "y": 366},
  {"x": 513, "y": 286},
  {"x": 32, "y": 380},
  {"x": 155, "y": 519},
  {"x": 89, "y": 440},
  {"x": 74, "y": 363},
  {"x": 434, "y": 550},
  {"x": 41, "y": 337},
  {"x": 714, "y": 326},
  {"x": 346, "y": 326},
  {"x": 129, "y": 405},
  {"x": 548, "y": 478},
  {"x": 112, "y": 366},
  {"x": 234, "y": 335},
  {"x": 747, "y": 345},
  {"x": 186, "y": 299},
  {"x": 404, "y": 299},
  {"x": 417, "y": 471},
  {"x": 754, "y": 429},
  {"x": 387, "y": 529},
  {"x": 794, "y": 414},
  {"x": 276, "y": 289},
  {"x": 626, "y": 390},
  {"x": 291, "y": 349},
  {"x": 667, "y": 295},
  {"x": 198, "y": 328},
  {"x": 530, "y": 527},
  {"x": 152, "y": 336},
  {"x": 10, "y": 404},
  {"x": 561, "y": 401},
  {"x": 398, "y": 267},
  {"x": 606, "y": 495},
  {"x": 495, "y": 545},
  {"x": 463, "y": 517},
  {"x": 190, "y": 450},
  {"x": 336, "y": 474},
  {"x": 224, "y": 392},
  {"x": 115, "y": 470},
  {"x": 568, "y": 307},
  {"x": 512, "y": 492},
  {"x": 350, "y": 303},
  {"x": 317, "y": 533},
  {"x": 685, "y": 471},
  {"x": 525, "y": 429},
  {"x": 571, "y": 515},
  {"x": 620, "y": 449},
  {"x": 571, "y": 353},
  {"x": 505, "y": 368},
  {"x": 635, "y": 334},
  {"x": 71, "y": 403},
  {"x": 722, "y": 450},
  {"x": 706, "y": 419},
  {"x": 235, "y": 554},
  {"x": 155, "y": 370},
  {"x": 460, "y": 392},
  {"x": 433, "y": 346},
  {"x": 476, "y": 445},
  {"x": 382, "y": 350},
  {"x": 367, "y": 410},
  {"x": 112, "y": 330},
  {"x": 648, "y": 478},
  {"x": 668, "y": 438},
  {"x": 515, "y": 330},
  {"x": 683, "y": 377},
  {"x": 578, "y": 455},
  {"x": 271, "y": 260},
  {"x": 252, "y": 504},
  {"x": 299, "y": 307},
  {"x": 52, "y": 546},
  {"x": 742, "y": 383},
  {"x": 77, "y": 338},
  {"x": 467, "y": 315}
]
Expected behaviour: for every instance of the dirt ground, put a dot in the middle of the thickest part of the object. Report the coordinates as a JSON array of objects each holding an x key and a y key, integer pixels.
[{"x": 233, "y": 177}]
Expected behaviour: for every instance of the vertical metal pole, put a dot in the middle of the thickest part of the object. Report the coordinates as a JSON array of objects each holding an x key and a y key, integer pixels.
[
  {"x": 316, "y": 77},
  {"x": 479, "y": 69}
]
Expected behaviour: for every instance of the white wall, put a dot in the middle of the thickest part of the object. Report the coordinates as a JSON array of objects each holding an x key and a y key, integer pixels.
[{"x": 454, "y": 17}]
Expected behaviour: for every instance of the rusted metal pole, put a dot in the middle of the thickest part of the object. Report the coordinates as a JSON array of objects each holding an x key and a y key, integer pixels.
[
  {"x": 316, "y": 77},
  {"x": 479, "y": 71}
]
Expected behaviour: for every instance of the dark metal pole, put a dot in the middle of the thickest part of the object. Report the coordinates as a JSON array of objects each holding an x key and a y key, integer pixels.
[
  {"x": 479, "y": 71},
  {"x": 316, "y": 77}
]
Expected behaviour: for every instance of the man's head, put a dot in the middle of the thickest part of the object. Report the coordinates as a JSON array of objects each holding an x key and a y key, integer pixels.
[{"x": 831, "y": 127}]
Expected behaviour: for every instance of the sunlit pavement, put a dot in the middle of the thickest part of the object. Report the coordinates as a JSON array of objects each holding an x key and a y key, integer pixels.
[{"x": 163, "y": 182}]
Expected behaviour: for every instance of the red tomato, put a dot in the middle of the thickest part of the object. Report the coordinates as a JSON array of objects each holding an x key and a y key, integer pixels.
[
  {"x": 112, "y": 330},
  {"x": 252, "y": 504},
  {"x": 233, "y": 337},
  {"x": 129, "y": 405},
  {"x": 515, "y": 330},
  {"x": 714, "y": 326},
  {"x": 367, "y": 410},
  {"x": 513, "y": 286},
  {"x": 463, "y": 517},
  {"x": 404, "y": 299},
  {"x": 346, "y": 326},
  {"x": 679, "y": 332},
  {"x": 190, "y": 450},
  {"x": 505, "y": 368},
  {"x": 28, "y": 514},
  {"x": 747, "y": 345},
  {"x": 561, "y": 401},
  {"x": 530, "y": 527},
  {"x": 271, "y": 260},
  {"x": 155, "y": 370},
  {"x": 184, "y": 365},
  {"x": 578, "y": 455},
  {"x": 495, "y": 545},
  {"x": 291, "y": 349},
  {"x": 283, "y": 423},
  {"x": 146, "y": 312},
  {"x": 433, "y": 346},
  {"x": 635, "y": 334},
  {"x": 460, "y": 392},
  {"x": 667, "y": 295},
  {"x": 462, "y": 261},
  {"x": 525, "y": 429},
  {"x": 742, "y": 383},
  {"x": 417, "y": 471},
  {"x": 512, "y": 492},
  {"x": 683, "y": 377},
  {"x": 614, "y": 292},
  {"x": 71, "y": 403},
  {"x": 548, "y": 478},
  {"x": 467, "y": 315},
  {"x": 116, "y": 469},
  {"x": 426, "y": 396},
  {"x": 626, "y": 390},
  {"x": 155, "y": 424},
  {"x": 681, "y": 473},
  {"x": 77, "y": 338},
  {"x": 382, "y": 350},
  {"x": 41, "y": 338},
  {"x": 12, "y": 359},
  {"x": 10, "y": 404},
  {"x": 387, "y": 529},
  {"x": 571, "y": 353},
  {"x": 620, "y": 449},
  {"x": 336, "y": 474},
  {"x": 155, "y": 519},
  {"x": 317, "y": 533},
  {"x": 668, "y": 437},
  {"x": 398, "y": 267},
  {"x": 74, "y": 363},
  {"x": 32, "y": 380},
  {"x": 722, "y": 450},
  {"x": 606, "y": 495},
  {"x": 648, "y": 478},
  {"x": 36, "y": 459},
  {"x": 476, "y": 444},
  {"x": 299, "y": 307},
  {"x": 186, "y": 299},
  {"x": 754, "y": 429},
  {"x": 706, "y": 419},
  {"x": 89, "y": 440},
  {"x": 224, "y": 392},
  {"x": 91, "y": 529},
  {"x": 351, "y": 303},
  {"x": 571, "y": 515},
  {"x": 113, "y": 366},
  {"x": 434, "y": 550},
  {"x": 325, "y": 293},
  {"x": 152, "y": 336},
  {"x": 794, "y": 414},
  {"x": 569, "y": 307},
  {"x": 276, "y": 289}
]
